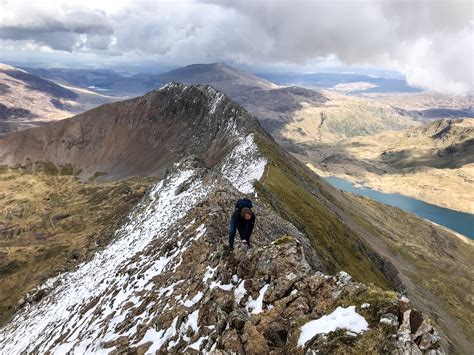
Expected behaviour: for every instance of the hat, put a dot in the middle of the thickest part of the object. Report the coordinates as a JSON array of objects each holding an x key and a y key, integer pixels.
[{"x": 245, "y": 211}]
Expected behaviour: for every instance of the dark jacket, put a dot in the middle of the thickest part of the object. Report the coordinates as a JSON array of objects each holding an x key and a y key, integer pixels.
[{"x": 245, "y": 227}]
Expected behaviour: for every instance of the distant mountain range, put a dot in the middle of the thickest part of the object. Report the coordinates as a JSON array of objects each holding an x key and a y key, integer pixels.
[
  {"x": 28, "y": 100},
  {"x": 285, "y": 111},
  {"x": 340, "y": 81}
]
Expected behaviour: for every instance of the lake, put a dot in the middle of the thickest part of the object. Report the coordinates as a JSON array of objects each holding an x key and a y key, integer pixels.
[{"x": 460, "y": 222}]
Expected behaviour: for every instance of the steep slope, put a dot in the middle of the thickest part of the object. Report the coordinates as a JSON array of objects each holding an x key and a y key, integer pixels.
[
  {"x": 51, "y": 223},
  {"x": 434, "y": 162},
  {"x": 142, "y": 136},
  {"x": 233, "y": 157},
  {"x": 139, "y": 296}
]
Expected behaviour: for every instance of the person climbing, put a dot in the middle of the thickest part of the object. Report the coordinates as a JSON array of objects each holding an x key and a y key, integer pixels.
[{"x": 242, "y": 220}]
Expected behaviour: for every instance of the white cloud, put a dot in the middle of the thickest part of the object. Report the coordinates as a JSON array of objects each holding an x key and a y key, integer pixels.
[{"x": 431, "y": 42}]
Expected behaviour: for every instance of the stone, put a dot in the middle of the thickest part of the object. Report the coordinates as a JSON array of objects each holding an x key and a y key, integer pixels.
[
  {"x": 389, "y": 319},
  {"x": 230, "y": 341},
  {"x": 238, "y": 318},
  {"x": 256, "y": 342},
  {"x": 428, "y": 340}
]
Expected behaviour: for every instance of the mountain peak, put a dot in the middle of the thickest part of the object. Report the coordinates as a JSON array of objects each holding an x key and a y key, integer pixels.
[{"x": 141, "y": 136}]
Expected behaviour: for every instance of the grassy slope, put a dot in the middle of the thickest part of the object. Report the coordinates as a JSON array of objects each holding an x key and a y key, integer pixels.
[
  {"x": 297, "y": 194},
  {"x": 48, "y": 224},
  {"x": 435, "y": 265}
]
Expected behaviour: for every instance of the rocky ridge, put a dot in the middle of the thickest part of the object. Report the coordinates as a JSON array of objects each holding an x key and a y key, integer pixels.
[{"x": 139, "y": 296}]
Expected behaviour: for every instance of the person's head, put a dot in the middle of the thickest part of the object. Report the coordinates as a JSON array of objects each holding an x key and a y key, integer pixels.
[{"x": 246, "y": 213}]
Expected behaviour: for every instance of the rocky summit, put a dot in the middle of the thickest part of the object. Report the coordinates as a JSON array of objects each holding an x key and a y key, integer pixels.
[{"x": 164, "y": 283}]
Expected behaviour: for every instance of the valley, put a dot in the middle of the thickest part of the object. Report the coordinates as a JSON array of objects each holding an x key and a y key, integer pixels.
[{"x": 433, "y": 163}]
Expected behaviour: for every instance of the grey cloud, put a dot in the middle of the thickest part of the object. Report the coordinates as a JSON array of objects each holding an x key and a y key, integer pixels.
[
  {"x": 429, "y": 41},
  {"x": 67, "y": 30}
]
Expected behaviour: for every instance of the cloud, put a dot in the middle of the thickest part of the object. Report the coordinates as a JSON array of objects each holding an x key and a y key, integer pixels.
[
  {"x": 428, "y": 41},
  {"x": 59, "y": 26}
]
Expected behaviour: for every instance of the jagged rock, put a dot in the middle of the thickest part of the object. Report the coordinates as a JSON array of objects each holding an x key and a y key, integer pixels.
[
  {"x": 231, "y": 342},
  {"x": 390, "y": 319},
  {"x": 254, "y": 343},
  {"x": 238, "y": 318}
]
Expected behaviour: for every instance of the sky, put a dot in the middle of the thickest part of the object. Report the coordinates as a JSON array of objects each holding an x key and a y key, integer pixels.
[{"x": 430, "y": 42}]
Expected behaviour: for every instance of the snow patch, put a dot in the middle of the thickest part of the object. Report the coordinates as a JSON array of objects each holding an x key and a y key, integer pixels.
[
  {"x": 194, "y": 300},
  {"x": 256, "y": 306},
  {"x": 39, "y": 326},
  {"x": 345, "y": 318},
  {"x": 197, "y": 344},
  {"x": 209, "y": 273},
  {"x": 226, "y": 287},
  {"x": 243, "y": 165},
  {"x": 240, "y": 292}
]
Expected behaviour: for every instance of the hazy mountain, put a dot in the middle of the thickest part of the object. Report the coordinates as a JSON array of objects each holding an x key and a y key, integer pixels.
[
  {"x": 138, "y": 294},
  {"x": 346, "y": 82},
  {"x": 28, "y": 100},
  {"x": 289, "y": 113},
  {"x": 293, "y": 112}
]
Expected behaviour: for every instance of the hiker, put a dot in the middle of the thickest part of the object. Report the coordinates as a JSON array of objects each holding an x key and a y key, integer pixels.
[{"x": 243, "y": 220}]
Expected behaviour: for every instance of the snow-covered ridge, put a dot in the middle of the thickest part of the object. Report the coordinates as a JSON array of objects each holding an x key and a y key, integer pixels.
[
  {"x": 244, "y": 165},
  {"x": 62, "y": 313},
  {"x": 39, "y": 326}
]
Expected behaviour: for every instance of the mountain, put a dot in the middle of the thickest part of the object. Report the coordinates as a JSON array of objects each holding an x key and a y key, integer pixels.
[
  {"x": 428, "y": 106},
  {"x": 291, "y": 113},
  {"x": 433, "y": 162},
  {"x": 354, "y": 84},
  {"x": 28, "y": 100},
  {"x": 132, "y": 290},
  {"x": 219, "y": 75},
  {"x": 99, "y": 81},
  {"x": 139, "y": 136}
]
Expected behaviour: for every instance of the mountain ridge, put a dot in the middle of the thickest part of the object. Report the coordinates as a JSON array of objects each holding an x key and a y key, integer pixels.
[{"x": 252, "y": 162}]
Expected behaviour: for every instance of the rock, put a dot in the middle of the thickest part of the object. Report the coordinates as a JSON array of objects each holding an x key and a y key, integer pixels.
[
  {"x": 255, "y": 342},
  {"x": 428, "y": 340},
  {"x": 238, "y": 318},
  {"x": 343, "y": 278},
  {"x": 230, "y": 341},
  {"x": 390, "y": 319},
  {"x": 416, "y": 319}
]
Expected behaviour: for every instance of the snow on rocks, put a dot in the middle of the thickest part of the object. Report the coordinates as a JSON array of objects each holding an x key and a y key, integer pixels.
[
  {"x": 239, "y": 292},
  {"x": 244, "y": 164},
  {"x": 345, "y": 318},
  {"x": 37, "y": 327},
  {"x": 256, "y": 306}
]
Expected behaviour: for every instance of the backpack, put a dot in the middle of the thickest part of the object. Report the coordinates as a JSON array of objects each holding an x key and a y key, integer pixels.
[{"x": 243, "y": 202}]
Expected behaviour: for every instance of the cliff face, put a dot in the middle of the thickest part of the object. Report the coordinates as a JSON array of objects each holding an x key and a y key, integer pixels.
[{"x": 163, "y": 284}]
